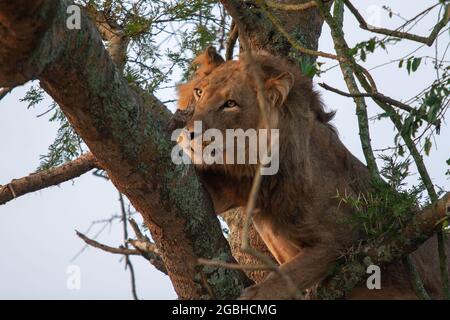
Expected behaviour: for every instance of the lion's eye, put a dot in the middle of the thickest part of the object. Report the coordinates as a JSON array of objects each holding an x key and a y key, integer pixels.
[
  {"x": 230, "y": 104},
  {"x": 198, "y": 93}
]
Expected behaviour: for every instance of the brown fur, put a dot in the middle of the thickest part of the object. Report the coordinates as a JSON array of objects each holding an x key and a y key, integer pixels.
[{"x": 298, "y": 216}]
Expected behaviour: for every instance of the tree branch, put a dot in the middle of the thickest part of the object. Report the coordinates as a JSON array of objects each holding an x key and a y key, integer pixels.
[
  {"x": 406, "y": 241},
  {"x": 112, "y": 33},
  {"x": 378, "y": 97},
  {"x": 44, "y": 179},
  {"x": 399, "y": 34},
  {"x": 106, "y": 248},
  {"x": 128, "y": 263},
  {"x": 416, "y": 280},
  {"x": 290, "y": 7},
  {"x": 375, "y": 95},
  {"x": 149, "y": 251},
  {"x": 231, "y": 41},
  {"x": 292, "y": 41},
  {"x": 4, "y": 92},
  {"x": 265, "y": 36},
  {"x": 347, "y": 64}
]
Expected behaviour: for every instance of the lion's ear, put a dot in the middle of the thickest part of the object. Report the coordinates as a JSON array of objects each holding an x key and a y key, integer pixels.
[
  {"x": 278, "y": 88},
  {"x": 207, "y": 61}
]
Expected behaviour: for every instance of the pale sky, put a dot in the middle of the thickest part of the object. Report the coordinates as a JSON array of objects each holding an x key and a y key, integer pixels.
[{"x": 37, "y": 237}]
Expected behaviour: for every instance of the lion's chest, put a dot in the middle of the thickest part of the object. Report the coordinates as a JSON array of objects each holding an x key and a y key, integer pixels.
[{"x": 282, "y": 249}]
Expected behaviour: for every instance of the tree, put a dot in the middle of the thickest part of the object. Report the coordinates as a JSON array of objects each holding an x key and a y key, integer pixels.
[{"x": 105, "y": 100}]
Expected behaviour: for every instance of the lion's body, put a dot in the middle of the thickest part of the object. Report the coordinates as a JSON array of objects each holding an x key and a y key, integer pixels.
[{"x": 298, "y": 214}]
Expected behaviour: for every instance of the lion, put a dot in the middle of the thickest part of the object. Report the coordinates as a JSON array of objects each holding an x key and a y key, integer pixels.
[{"x": 297, "y": 214}]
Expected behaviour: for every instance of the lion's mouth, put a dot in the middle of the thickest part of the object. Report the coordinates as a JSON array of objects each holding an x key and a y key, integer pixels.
[
  {"x": 219, "y": 154},
  {"x": 195, "y": 149}
]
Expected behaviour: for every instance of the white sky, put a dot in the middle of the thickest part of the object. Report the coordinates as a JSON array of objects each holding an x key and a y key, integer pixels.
[{"x": 37, "y": 238}]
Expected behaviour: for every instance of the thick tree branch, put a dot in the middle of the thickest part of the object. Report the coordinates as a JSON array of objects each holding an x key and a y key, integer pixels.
[
  {"x": 115, "y": 36},
  {"x": 44, "y": 179},
  {"x": 292, "y": 41},
  {"x": 290, "y": 7},
  {"x": 20, "y": 37},
  {"x": 263, "y": 35},
  {"x": 406, "y": 241},
  {"x": 126, "y": 133},
  {"x": 4, "y": 92}
]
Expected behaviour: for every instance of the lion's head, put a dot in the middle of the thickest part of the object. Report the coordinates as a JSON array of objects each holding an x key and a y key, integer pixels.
[{"x": 223, "y": 96}]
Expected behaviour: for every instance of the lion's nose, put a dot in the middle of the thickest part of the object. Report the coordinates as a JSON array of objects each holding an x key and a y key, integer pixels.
[{"x": 191, "y": 135}]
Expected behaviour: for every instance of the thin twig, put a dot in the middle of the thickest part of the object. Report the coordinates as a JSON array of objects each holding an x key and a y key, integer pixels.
[
  {"x": 128, "y": 263},
  {"x": 378, "y": 96},
  {"x": 106, "y": 248},
  {"x": 136, "y": 229}
]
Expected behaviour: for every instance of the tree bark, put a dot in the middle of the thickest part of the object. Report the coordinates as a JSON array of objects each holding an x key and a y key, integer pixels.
[
  {"x": 305, "y": 26},
  {"x": 40, "y": 180}
]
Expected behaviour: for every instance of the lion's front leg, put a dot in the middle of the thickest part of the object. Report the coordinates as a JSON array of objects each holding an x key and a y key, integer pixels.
[{"x": 304, "y": 271}]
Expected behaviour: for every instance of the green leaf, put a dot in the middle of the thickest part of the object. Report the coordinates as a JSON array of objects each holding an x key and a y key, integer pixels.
[
  {"x": 432, "y": 112},
  {"x": 407, "y": 126},
  {"x": 33, "y": 96},
  {"x": 363, "y": 55},
  {"x": 352, "y": 51},
  {"x": 427, "y": 146},
  {"x": 308, "y": 69},
  {"x": 400, "y": 64},
  {"x": 401, "y": 151},
  {"x": 415, "y": 64},
  {"x": 371, "y": 45}
]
